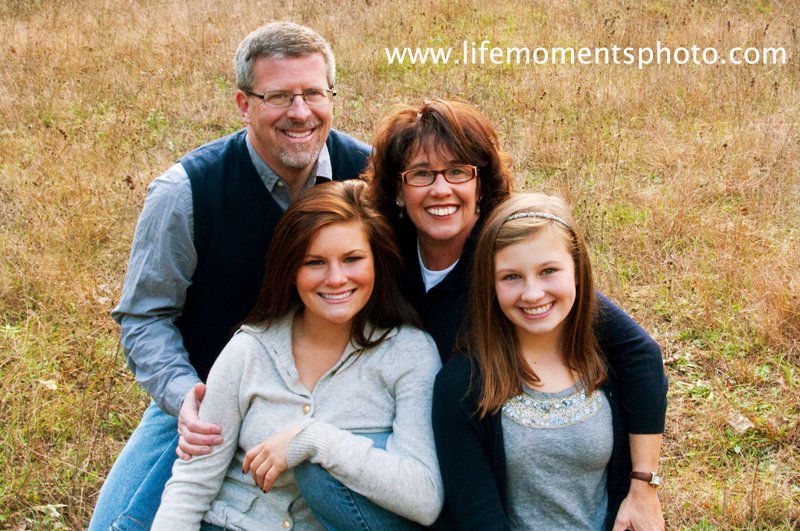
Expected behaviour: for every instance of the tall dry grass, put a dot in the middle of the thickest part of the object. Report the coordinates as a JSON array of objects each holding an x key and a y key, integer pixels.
[{"x": 684, "y": 177}]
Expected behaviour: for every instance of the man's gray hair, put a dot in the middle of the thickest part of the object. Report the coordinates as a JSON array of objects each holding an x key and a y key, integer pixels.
[{"x": 280, "y": 39}]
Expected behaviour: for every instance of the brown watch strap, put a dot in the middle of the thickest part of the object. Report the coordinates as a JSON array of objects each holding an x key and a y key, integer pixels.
[{"x": 650, "y": 477}]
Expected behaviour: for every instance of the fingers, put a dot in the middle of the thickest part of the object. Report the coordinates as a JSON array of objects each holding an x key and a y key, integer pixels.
[
  {"x": 199, "y": 391},
  {"x": 196, "y": 427},
  {"x": 249, "y": 458},
  {"x": 190, "y": 407},
  {"x": 267, "y": 474},
  {"x": 197, "y": 438},
  {"x": 194, "y": 438},
  {"x": 188, "y": 447},
  {"x": 181, "y": 454},
  {"x": 262, "y": 466},
  {"x": 191, "y": 444}
]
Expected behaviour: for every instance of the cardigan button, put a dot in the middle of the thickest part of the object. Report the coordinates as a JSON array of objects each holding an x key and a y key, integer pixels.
[
  {"x": 287, "y": 524},
  {"x": 306, "y": 409}
]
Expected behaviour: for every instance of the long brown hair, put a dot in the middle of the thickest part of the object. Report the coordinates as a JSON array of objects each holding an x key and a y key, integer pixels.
[
  {"x": 493, "y": 341},
  {"x": 438, "y": 125},
  {"x": 323, "y": 205}
]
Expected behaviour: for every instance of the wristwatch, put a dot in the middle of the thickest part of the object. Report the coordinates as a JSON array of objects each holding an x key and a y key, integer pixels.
[{"x": 651, "y": 477}]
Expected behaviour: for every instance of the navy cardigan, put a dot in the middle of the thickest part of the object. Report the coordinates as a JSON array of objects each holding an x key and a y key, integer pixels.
[
  {"x": 639, "y": 398},
  {"x": 634, "y": 357},
  {"x": 472, "y": 453},
  {"x": 234, "y": 218}
]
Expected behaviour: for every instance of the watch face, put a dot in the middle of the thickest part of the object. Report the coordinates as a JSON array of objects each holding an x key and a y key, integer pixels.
[{"x": 655, "y": 480}]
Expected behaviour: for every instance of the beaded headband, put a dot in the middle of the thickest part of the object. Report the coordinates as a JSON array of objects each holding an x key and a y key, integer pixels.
[{"x": 544, "y": 215}]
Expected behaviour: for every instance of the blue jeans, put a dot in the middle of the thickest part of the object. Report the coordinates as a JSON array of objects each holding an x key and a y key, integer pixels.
[
  {"x": 339, "y": 508},
  {"x": 132, "y": 491}
]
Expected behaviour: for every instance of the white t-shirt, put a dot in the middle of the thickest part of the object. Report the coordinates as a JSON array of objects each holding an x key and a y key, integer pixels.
[{"x": 429, "y": 277}]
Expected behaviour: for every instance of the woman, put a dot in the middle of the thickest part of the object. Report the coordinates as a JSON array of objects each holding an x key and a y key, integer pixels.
[
  {"x": 328, "y": 369},
  {"x": 436, "y": 172},
  {"x": 436, "y": 217},
  {"x": 523, "y": 416}
]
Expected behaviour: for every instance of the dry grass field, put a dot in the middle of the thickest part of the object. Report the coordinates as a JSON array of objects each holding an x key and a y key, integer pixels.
[{"x": 685, "y": 178}]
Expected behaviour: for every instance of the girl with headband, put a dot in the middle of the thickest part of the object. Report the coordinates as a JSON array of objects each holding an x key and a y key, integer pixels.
[{"x": 528, "y": 428}]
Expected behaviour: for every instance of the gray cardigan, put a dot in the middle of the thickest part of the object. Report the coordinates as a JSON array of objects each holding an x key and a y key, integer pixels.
[{"x": 254, "y": 391}]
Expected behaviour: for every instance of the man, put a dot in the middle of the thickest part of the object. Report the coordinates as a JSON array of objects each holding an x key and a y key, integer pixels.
[{"x": 200, "y": 245}]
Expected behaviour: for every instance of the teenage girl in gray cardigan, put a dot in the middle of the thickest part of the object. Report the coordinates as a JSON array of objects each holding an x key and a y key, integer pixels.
[{"x": 309, "y": 392}]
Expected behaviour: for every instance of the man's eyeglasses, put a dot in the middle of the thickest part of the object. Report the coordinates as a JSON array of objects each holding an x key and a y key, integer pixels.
[
  {"x": 283, "y": 98},
  {"x": 426, "y": 177}
]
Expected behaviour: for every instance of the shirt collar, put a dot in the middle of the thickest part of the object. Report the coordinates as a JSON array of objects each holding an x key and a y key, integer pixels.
[{"x": 323, "y": 170}]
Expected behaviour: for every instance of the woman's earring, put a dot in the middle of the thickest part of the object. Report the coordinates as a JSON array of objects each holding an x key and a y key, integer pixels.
[{"x": 400, "y": 205}]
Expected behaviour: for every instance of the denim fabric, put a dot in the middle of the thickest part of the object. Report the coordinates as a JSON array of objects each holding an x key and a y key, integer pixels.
[
  {"x": 337, "y": 507},
  {"x": 132, "y": 491}
]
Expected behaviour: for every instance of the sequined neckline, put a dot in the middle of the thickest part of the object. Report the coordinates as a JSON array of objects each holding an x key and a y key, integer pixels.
[{"x": 553, "y": 410}]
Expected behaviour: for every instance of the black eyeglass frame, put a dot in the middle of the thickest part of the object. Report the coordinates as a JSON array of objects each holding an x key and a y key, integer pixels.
[
  {"x": 329, "y": 92},
  {"x": 442, "y": 172}
]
